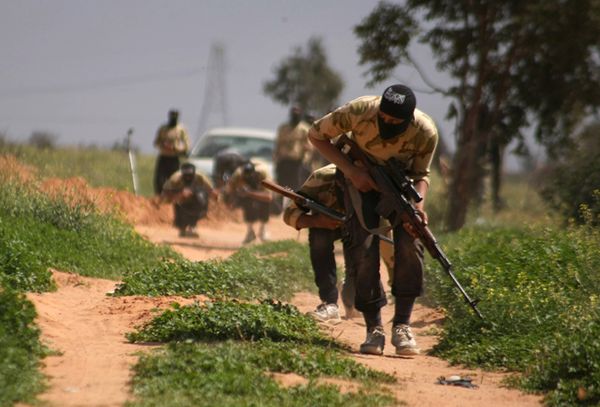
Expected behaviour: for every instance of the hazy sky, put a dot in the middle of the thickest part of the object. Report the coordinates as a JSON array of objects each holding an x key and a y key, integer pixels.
[{"x": 89, "y": 70}]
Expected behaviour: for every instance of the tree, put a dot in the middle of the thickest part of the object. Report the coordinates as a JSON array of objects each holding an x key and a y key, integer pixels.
[
  {"x": 516, "y": 65},
  {"x": 305, "y": 79},
  {"x": 43, "y": 140},
  {"x": 572, "y": 182}
]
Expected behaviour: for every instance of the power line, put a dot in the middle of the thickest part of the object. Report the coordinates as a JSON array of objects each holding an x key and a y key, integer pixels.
[{"x": 109, "y": 83}]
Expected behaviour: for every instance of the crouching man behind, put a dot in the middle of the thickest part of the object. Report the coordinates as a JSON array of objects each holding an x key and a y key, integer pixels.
[{"x": 189, "y": 192}]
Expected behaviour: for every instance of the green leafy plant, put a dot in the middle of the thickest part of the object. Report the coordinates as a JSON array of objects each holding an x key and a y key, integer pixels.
[
  {"x": 538, "y": 286},
  {"x": 231, "y": 320},
  {"x": 20, "y": 349},
  {"x": 275, "y": 269},
  {"x": 234, "y": 374},
  {"x": 75, "y": 238},
  {"x": 20, "y": 268}
]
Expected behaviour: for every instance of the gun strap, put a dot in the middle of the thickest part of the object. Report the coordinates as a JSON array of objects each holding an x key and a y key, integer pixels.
[{"x": 358, "y": 209}]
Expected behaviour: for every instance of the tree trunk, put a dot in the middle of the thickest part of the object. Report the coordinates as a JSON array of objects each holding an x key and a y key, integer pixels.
[
  {"x": 497, "y": 158},
  {"x": 466, "y": 170}
]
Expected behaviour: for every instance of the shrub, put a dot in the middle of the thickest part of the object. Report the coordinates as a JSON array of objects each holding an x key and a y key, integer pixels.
[
  {"x": 275, "y": 269},
  {"x": 573, "y": 181},
  {"x": 235, "y": 374},
  {"x": 537, "y": 288},
  {"x": 20, "y": 349},
  {"x": 231, "y": 320}
]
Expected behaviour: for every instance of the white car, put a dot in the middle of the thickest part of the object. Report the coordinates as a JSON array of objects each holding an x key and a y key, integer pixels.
[{"x": 249, "y": 142}]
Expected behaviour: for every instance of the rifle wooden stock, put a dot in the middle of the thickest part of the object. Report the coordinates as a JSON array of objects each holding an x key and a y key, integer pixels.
[
  {"x": 303, "y": 201},
  {"x": 395, "y": 185}
]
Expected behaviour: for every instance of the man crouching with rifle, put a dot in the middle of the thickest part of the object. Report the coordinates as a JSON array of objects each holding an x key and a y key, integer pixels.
[{"x": 382, "y": 127}]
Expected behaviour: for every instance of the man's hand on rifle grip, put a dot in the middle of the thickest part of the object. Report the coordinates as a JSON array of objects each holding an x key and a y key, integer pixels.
[{"x": 408, "y": 227}]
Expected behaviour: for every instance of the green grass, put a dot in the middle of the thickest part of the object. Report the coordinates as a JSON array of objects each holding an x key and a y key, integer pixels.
[
  {"x": 223, "y": 320},
  {"x": 99, "y": 167},
  {"x": 539, "y": 290},
  {"x": 236, "y": 374},
  {"x": 538, "y": 284},
  {"x": 52, "y": 233},
  {"x": 274, "y": 269},
  {"x": 36, "y": 233},
  {"x": 20, "y": 349}
]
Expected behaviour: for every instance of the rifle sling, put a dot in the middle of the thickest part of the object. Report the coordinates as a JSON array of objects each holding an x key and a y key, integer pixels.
[{"x": 358, "y": 209}]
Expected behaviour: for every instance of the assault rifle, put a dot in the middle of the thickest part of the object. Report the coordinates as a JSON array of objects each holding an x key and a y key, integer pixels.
[
  {"x": 397, "y": 193},
  {"x": 304, "y": 202},
  {"x": 310, "y": 205}
]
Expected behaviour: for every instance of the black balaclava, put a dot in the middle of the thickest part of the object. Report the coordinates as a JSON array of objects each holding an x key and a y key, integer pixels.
[
  {"x": 173, "y": 118},
  {"x": 295, "y": 115},
  {"x": 398, "y": 101},
  {"x": 250, "y": 175},
  {"x": 188, "y": 173}
]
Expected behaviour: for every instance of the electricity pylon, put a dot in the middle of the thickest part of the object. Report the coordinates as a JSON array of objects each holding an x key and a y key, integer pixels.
[{"x": 214, "y": 103}]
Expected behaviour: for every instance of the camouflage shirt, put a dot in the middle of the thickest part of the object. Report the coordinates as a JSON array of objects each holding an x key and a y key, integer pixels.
[
  {"x": 175, "y": 183},
  {"x": 292, "y": 142},
  {"x": 414, "y": 148},
  {"x": 238, "y": 180},
  {"x": 320, "y": 187},
  {"x": 172, "y": 141}
]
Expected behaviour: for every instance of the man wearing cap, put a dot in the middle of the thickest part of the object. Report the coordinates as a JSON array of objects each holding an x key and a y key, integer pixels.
[
  {"x": 383, "y": 127},
  {"x": 189, "y": 192},
  {"x": 172, "y": 141}
]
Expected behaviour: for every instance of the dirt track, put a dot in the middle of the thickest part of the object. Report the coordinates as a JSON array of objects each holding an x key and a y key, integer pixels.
[{"x": 87, "y": 327}]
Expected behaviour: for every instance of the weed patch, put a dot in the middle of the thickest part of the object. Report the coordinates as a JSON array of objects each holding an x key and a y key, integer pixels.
[
  {"x": 539, "y": 293},
  {"x": 271, "y": 270},
  {"x": 74, "y": 238},
  {"x": 234, "y": 374},
  {"x": 20, "y": 349},
  {"x": 231, "y": 320}
]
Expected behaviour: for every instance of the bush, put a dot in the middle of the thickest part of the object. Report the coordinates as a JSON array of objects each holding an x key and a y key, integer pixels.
[
  {"x": 573, "y": 182},
  {"x": 537, "y": 288},
  {"x": 231, "y": 320},
  {"x": 20, "y": 267},
  {"x": 20, "y": 349}
]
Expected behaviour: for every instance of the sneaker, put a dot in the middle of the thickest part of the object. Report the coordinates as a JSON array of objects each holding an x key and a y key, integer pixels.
[
  {"x": 375, "y": 341},
  {"x": 192, "y": 232},
  {"x": 404, "y": 340},
  {"x": 326, "y": 313},
  {"x": 250, "y": 237},
  {"x": 264, "y": 236}
]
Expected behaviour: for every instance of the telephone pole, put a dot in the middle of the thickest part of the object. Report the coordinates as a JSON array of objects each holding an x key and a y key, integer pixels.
[{"x": 214, "y": 103}]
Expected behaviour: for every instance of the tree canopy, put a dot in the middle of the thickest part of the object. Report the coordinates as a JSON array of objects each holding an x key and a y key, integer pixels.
[
  {"x": 306, "y": 79},
  {"x": 515, "y": 65}
]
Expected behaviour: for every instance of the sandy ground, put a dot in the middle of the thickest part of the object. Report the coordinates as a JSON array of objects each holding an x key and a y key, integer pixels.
[{"x": 92, "y": 366}]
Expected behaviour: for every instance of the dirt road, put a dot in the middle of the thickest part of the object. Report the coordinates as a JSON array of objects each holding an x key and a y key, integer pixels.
[{"x": 93, "y": 367}]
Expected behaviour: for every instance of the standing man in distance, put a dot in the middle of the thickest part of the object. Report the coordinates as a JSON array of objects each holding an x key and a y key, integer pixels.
[
  {"x": 291, "y": 148},
  {"x": 172, "y": 141},
  {"x": 383, "y": 127}
]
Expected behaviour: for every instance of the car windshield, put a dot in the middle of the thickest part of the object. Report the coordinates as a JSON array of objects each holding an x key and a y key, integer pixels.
[{"x": 247, "y": 146}]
